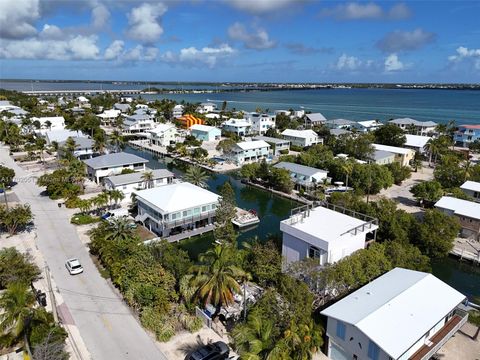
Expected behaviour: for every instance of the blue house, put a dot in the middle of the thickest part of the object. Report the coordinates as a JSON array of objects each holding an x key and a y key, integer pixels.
[
  {"x": 205, "y": 133},
  {"x": 467, "y": 134}
]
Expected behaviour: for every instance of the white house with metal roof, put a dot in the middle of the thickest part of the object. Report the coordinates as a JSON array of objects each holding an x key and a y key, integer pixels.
[
  {"x": 467, "y": 213},
  {"x": 277, "y": 146},
  {"x": 176, "y": 207},
  {"x": 240, "y": 127},
  {"x": 340, "y": 124},
  {"x": 60, "y": 135},
  {"x": 471, "y": 188},
  {"x": 124, "y": 108},
  {"x": 304, "y": 175},
  {"x": 50, "y": 122},
  {"x": 417, "y": 142},
  {"x": 163, "y": 134},
  {"x": 402, "y": 315},
  {"x": 381, "y": 157},
  {"x": 325, "y": 234},
  {"x": 177, "y": 111},
  {"x": 205, "y": 132},
  {"x": 113, "y": 164},
  {"x": 402, "y": 155},
  {"x": 249, "y": 151},
  {"x": 138, "y": 123},
  {"x": 260, "y": 122},
  {"x": 367, "y": 125},
  {"x": 206, "y": 107},
  {"x": 128, "y": 183},
  {"x": 110, "y": 115},
  {"x": 421, "y": 127},
  {"x": 83, "y": 147},
  {"x": 301, "y": 138}
]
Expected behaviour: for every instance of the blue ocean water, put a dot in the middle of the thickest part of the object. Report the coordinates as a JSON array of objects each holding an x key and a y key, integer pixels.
[{"x": 440, "y": 106}]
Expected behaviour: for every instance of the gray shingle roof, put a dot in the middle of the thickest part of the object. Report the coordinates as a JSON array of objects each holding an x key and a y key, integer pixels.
[
  {"x": 380, "y": 154},
  {"x": 299, "y": 169},
  {"x": 137, "y": 177},
  {"x": 316, "y": 117},
  {"x": 113, "y": 160}
]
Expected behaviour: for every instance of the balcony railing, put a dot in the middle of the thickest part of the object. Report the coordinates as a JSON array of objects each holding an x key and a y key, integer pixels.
[{"x": 434, "y": 344}]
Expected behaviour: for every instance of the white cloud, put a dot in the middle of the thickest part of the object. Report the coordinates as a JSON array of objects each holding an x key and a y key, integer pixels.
[
  {"x": 345, "y": 62},
  {"x": 362, "y": 11},
  {"x": 262, "y": 6},
  {"x": 100, "y": 16},
  {"x": 144, "y": 22},
  {"x": 76, "y": 48},
  {"x": 393, "y": 63},
  {"x": 194, "y": 57},
  {"x": 114, "y": 50},
  {"x": 398, "y": 41},
  {"x": 258, "y": 39},
  {"x": 51, "y": 32},
  {"x": 17, "y": 18},
  {"x": 464, "y": 54}
]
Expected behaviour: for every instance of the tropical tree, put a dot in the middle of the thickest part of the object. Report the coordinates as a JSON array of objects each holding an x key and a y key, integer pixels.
[
  {"x": 119, "y": 229},
  {"x": 196, "y": 176},
  {"x": 215, "y": 277},
  {"x": 224, "y": 214},
  {"x": 433, "y": 148},
  {"x": 116, "y": 196},
  {"x": 117, "y": 140},
  {"x": 40, "y": 145},
  {"x": 147, "y": 178}
]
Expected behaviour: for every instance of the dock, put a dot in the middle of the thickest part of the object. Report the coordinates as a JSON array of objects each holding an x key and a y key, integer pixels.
[
  {"x": 466, "y": 249},
  {"x": 182, "y": 235}
]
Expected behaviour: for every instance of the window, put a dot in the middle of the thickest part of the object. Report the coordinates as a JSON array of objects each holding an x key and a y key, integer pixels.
[
  {"x": 196, "y": 211},
  {"x": 313, "y": 252},
  {"x": 214, "y": 206},
  {"x": 340, "y": 330},
  {"x": 187, "y": 213},
  {"x": 204, "y": 208},
  {"x": 373, "y": 350}
]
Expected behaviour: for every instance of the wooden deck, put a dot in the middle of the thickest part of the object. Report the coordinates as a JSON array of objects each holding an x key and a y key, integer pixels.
[{"x": 437, "y": 338}]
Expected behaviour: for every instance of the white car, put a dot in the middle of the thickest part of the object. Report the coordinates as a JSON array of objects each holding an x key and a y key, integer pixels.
[{"x": 73, "y": 266}]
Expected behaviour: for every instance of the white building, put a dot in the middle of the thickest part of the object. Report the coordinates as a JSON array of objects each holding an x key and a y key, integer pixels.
[
  {"x": 50, "y": 122},
  {"x": 177, "y": 111},
  {"x": 176, "y": 207},
  {"x": 467, "y": 213},
  {"x": 277, "y": 146},
  {"x": 249, "y": 151},
  {"x": 324, "y": 234},
  {"x": 60, "y": 135},
  {"x": 402, "y": 315},
  {"x": 206, "y": 107},
  {"x": 472, "y": 189},
  {"x": 417, "y": 142},
  {"x": 83, "y": 147},
  {"x": 304, "y": 175},
  {"x": 134, "y": 124},
  {"x": 367, "y": 126},
  {"x": 301, "y": 138},
  {"x": 110, "y": 115},
  {"x": 113, "y": 164},
  {"x": 340, "y": 124},
  {"x": 260, "y": 122},
  {"x": 124, "y": 108},
  {"x": 402, "y": 155},
  {"x": 163, "y": 134},
  {"x": 128, "y": 183},
  {"x": 315, "y": 119},
  {"x": 420, "y": 127},
  {"x": 240, "y": 127}
]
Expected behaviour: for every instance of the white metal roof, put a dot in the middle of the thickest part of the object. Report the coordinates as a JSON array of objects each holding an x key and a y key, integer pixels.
[
  {"x": 204, "y": 128},
  {"x": 392, "y": 149},
  {"x": 416, "y": 141},
  {"x": 369, "y": 123},
  {"x": 460, "y": 207},
  {"x": 136, "y": 177},
  {"x": 250, "y": 145},
  {"x": 471, "y": 185},
  {"x": 299, "y": 133},
  {"x": 299, "y": 169},
  {"x": 177, "y": 197},
  {"x": 323, "y": 224},
  {"x": 237, "y": 123},
  {"x": 397, "y": 309},
  {"x": 114, "y": 160},
  {"x": 159, "y": 128}
]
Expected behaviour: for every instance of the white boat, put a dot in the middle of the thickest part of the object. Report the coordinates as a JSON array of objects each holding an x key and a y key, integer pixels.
[{"x": 245, "y": 218}]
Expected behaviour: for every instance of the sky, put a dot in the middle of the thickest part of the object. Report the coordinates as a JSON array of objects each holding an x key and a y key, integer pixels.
[{"x": 241, "y": 40}]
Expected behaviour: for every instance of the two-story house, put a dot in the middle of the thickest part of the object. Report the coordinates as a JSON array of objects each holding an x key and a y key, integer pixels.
[
  {"x": 206, "y": 107},
  {"x": 249, "y": 151},
  {"x": 402, "y": 156},
  {"x": 472, "y": 189},
  {"x": 325, "y": 234},
  {"x": 467, "y": 134},
  {"x": 163, "y": 134},
  {"x": 467, "y": 213},
  {"x": 205, "y": 132},
  {"x": 240, "y": 127},
  {"x": 401, "y": 315},
  {"x": 277, "y": 146},
  {"x": 176, "y": 208},
  {"x": 301, "y": 138},
  {"x": 260, "y": 122},
  {"x": 128, "y": 183},
  {"x": 138, "y": 123},
  {"x": 367, "y": 125},
  {"x": 304, "y": 175},
  {"x": 113, "y": 164},
  {"x": 414, "y": 126},
  {"x": 83, "y": 148}
]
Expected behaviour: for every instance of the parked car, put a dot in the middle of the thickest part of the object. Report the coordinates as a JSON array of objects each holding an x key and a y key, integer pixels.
[
  {"x": 116, "y": 213},
  {"x": 215, "y": 351},
  {"x": 73, "y": 266}
]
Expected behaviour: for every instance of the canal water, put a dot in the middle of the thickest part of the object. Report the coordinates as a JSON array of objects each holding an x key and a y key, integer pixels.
[{"x": 463, "y": 276}]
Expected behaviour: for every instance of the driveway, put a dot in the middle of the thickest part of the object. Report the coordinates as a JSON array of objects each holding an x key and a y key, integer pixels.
[{"x": 107, "y": 326}]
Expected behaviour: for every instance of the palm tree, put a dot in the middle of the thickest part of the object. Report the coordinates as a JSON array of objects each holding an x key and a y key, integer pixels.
[
  {"x": 48, "y": 124},
  {"x": 99, "y": 144},
  {"x": 215, "y": 278},
  {"x": 254, "y": 339},
  {"x": 347, "y": 167},
  {"x": 302, "y": 340},
  {"x": 147, "y": 177},
  {"x": 119, "y": 229},
  {"x": 432, "y": 147},
  {"x": 117, "y": 140},
  {"x": 196, "y": 176},
  {"x": 18, "y": 315},
  {"x": 116, "y": 196}
]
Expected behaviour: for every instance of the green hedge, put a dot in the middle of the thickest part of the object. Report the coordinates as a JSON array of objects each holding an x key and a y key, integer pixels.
[{"x": 82, "y": 219}]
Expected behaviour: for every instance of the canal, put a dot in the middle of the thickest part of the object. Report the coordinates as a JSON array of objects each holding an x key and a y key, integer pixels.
[{"x": 271, "y": 209}]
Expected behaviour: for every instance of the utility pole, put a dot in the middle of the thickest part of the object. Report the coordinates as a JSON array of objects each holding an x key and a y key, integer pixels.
[{"x": 52, "y": 296}]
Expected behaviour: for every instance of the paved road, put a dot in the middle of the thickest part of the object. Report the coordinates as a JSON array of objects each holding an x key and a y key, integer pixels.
[{"x": 105, "y": 323}]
